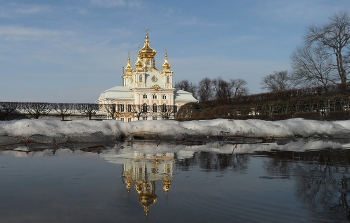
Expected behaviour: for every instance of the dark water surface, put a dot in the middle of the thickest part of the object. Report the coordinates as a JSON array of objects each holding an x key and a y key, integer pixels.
[{"x": 168, "y": 184}]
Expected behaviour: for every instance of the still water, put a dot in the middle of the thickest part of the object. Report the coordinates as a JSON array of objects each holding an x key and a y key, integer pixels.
[{"x": 148, "y": 182}]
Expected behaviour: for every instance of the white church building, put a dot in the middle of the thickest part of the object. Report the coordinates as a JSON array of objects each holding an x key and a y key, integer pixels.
[{"x": 147, "y": 92}]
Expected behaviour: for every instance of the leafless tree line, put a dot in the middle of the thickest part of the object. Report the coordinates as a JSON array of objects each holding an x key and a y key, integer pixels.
[
  {"x": 37, "y": 109},
  {"x": 322, "y": 59},
  {"x": 63, "y": 110},
  {"x": 315, "y": 103},
  {"x": 214, "y": 89}
]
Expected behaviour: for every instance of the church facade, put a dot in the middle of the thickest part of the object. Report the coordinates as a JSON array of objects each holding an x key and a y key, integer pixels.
[{"x": 147, "y": 92}]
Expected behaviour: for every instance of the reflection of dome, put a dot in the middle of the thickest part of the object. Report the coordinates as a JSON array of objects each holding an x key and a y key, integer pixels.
[
  {"x": 128, "y": 182},
  {"x": 145, "y": 170},
  {"x": 166, "y": 184},
  {"x": 146, "y": 194},
  {"x": 147, "y": 200}
]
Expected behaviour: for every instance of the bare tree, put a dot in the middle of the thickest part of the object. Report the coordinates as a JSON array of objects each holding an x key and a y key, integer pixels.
[
  {"x": 229, "y": 89},
  {"x": 166, "y": 111},
  {"x": 187, "y": 86},
  {"x": 222, "y": 88},
  {"x": 312, "y": 66},
  {"x": 37, "y": 109},
  {"x": 239, "y": 87},
  {"x": 278, "y": 81},
  {"x": 205, "y": 89},
  {"x": 87, "y": 109},
  {"x": 140, "y": 110},
  {"x": 334, "y": 36},
  {"x": 63, "y": 109},
  {"x": 110, "y": 109}
]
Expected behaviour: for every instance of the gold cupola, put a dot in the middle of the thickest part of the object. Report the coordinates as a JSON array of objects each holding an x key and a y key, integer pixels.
[
  {"x": 147, "y": 51},
  {"x": 166, "y": 65},
  {"x": 128, "y": 67},
  {"x": 138, "y": 63}
]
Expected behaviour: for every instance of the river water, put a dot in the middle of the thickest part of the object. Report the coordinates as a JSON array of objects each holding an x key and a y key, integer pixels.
[{"x": 160, "y": 182}]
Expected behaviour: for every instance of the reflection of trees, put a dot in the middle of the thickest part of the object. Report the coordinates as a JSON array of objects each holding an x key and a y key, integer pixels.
[
  {"x": 322, "y": 178},
  {"x": 210, "y": 161}
]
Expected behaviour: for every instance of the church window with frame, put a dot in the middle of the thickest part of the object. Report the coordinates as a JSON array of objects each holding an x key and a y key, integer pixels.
[
  {"x": 164, "y": 108},
  {"x": 144, "y": 107},
  {"x": 155, "y": 107},
  {"x": 121, "y": 108},
  {"x": 167, "y": 79},
  {"x": 144, "y": 95},
  {"x": 129, "y": 119},
  {"x": 140, "y": 78},
  {"x": 164, "y": 96},
  {"x": 129, "y": 108},
  {"x": 154, "y": 96}
]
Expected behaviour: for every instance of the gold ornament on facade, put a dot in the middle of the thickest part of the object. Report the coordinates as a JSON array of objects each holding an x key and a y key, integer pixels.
[
  {"x": 154, "y": 78},
  {"x": 156, "y": 87}
]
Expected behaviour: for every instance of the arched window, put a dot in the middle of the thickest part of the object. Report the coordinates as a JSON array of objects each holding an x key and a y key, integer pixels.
[
  {"x": 145, "y": 96},
  {"x": 144, "y": 107},
  {"x": 121, "y": 107},
  {"x": 167, "y": 79},
  {"x": 164, "y": 109},
  {"x": 140, "y": 78},
  {"x": 154, "y": 96},
  {"x": 129, "y": 107},
  {"x": 155, "y": 107},
  {"x": 164, "y": 96}
]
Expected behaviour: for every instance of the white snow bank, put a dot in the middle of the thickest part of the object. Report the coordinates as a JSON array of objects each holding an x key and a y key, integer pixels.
[{"x": 111, "y": 129}]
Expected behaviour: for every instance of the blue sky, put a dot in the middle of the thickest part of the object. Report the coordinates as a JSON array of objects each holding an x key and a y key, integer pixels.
[{"x": 72, "y": 50}]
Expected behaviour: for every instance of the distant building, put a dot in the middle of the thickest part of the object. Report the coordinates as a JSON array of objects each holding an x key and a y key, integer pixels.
[{"x": 147, "y": 93}]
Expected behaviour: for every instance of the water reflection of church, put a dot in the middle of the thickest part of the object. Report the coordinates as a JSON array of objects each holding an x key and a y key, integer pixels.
[{"x": 145, "y": 170}]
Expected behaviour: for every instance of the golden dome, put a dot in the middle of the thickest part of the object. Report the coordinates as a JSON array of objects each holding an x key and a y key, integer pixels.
[
  {"x": 147, "y": 51},
  {"x": 166, "y": 65},
  {"x": 138, "y": 63},
  {"x": 128, "y": 67}
]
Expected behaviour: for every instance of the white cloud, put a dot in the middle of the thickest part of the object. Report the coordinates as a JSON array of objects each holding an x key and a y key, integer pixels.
[
  {"x": 117, "y": 3},
  {"x": 18, "y": 33},
  {"x": 297, "y": 10},
  {"x": 14, "y": 10},
  {"x": 194, "y": 21}
]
